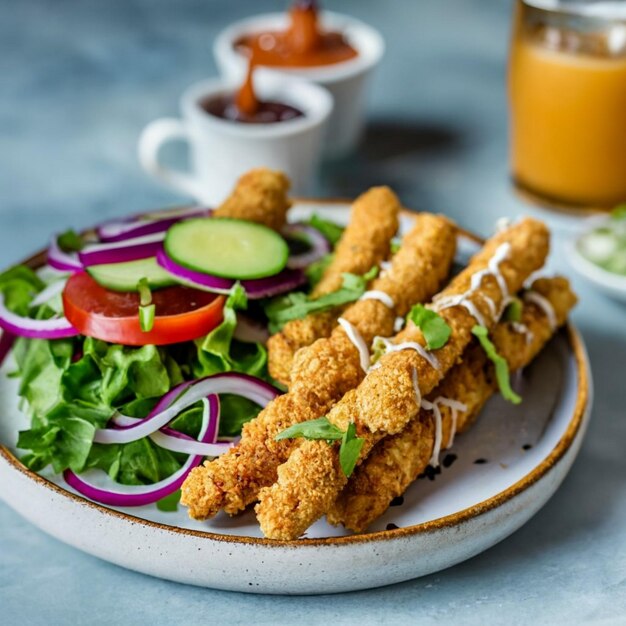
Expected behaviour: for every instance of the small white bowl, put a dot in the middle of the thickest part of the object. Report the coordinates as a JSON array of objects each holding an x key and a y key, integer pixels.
[
  {"x": 346, "y": 80},
  {"x": 222, "y": 150},
  {"x": 611, "y": 284}
]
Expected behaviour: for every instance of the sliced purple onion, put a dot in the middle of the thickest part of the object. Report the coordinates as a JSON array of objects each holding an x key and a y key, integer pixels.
[
  {"x": 51, "y": 291},
  {"x": 55, "y": 328},
  {"x": 255, "y": 289},
  {"x": 146, "y": 224},
  {"x": 183, "y": 396},
  {"x": 176, "y": 441},
  {"x": 319, "y": 245},
  {"x": 6, "y": 343},
  {"x": 114, "y": 494},
  {"x": 62, "y": 261},
  {"x": 121, "y": 251}
]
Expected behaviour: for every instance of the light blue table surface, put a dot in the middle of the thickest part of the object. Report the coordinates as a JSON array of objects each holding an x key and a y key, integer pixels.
[{"x": 79, "y": 80}]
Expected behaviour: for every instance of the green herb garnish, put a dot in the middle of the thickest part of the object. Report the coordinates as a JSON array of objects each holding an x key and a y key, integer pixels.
[
  {"x": 297, "y": 305},
  {"x": 395, "y": 245},
  {"x": 330, "y": 230},
  {"x": 319, "y": 428},
  {"x": 322, "y": 429},
  {"x": 350, "y": 449},
  {"x": 434, "y": 328},
  {"x": 147, "y": 310},
  {"x": 513, "y": 311},
  {"x": 70, "y": 241},
  {"x": 500, "y": 364}
]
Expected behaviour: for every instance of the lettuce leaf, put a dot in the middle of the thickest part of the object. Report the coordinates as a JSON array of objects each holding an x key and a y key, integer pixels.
[
  {"x": 219, "y": 352},
  {"x": 72, "y": 386}
]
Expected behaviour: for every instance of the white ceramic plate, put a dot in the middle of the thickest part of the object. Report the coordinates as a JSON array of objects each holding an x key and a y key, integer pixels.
[{"x": 465, "y": 510}]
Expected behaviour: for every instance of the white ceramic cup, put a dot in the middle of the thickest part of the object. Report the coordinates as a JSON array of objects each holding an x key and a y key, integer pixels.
[
  {"x": 346, "y": 81},
  {"x": 222, "y": 150}
]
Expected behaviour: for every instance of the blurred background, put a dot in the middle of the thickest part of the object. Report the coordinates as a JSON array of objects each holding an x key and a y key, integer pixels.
[{"x": 80, "y": 80}]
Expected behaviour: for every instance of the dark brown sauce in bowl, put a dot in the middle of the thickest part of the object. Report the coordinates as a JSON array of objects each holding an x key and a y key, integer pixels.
[{"x": 267, "y": 112}]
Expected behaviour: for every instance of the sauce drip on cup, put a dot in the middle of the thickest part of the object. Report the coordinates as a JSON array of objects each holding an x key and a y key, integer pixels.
[{"x": 302, "y": 44}]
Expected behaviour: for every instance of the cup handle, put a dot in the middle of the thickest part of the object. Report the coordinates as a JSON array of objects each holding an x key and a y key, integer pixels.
[{"x": 153, "y": 137}]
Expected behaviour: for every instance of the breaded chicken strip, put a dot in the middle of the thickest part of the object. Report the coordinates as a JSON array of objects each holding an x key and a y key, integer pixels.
[
  {"x": 322, "y": 373},
  {"x": 390, "y": 395},
  {"x": 364, "y": 244},
  {"x": 398, "y": 460},
  {"x": 259, "y": 196}
]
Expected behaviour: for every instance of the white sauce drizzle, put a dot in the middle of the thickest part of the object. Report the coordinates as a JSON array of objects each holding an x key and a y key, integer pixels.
[
  {"x": 412, "y": 345},
  {"x": 492, "y": 269},
  {"x": 381, "y": 296},
  {"x": 416, "y": 387},
  {"x": 522, "y": 329},
  {"x": 359, "y": 343},
  {"x": 385, "y": 266},
  {"x": 459, "y": 300},
  {"x": 542, "y": 303},
  {"x": 398, "y": 324},
  {"x": 455, "y": 406},
  {"x": 432, "y": 406}
]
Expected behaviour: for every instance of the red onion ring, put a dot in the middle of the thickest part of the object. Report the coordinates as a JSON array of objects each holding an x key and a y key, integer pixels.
[
  {"x": 6, "y": 343},
  {"x": 183, "y": 396},
  {"x": 145, "y": 224},
  {"x": 121, "y": 251},
  {"x": 319, "y": 245},
  {"x": 255, "y": 289},
  {"x": 55, "y": 328},
  {"x": 122, "y": 495}
]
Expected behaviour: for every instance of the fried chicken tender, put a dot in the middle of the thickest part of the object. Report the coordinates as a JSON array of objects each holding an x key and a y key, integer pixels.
[
  {"x": 259, "y": 196},
  {"x": 398, "y": 460},
  {"x": 311, "y": 479},
  {"x": 364, "y": 244},
  {"x": 322, "y": 373}
]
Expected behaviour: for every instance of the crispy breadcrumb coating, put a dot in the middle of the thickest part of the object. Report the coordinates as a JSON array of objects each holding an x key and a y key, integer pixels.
[
  {"x": 397, "y": 461},
  {"x": 322, "y": 373},
  {"x": 311, "y": 479},
  {"x": 364, "y": 244},
  {"x": 259, "y": 196}
]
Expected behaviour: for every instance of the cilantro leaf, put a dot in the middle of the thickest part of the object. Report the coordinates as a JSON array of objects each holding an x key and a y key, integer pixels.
[
  {"x": 297, "y": 304},
  {"x": 319, "y": 428},
  {"x": 500, "y": 364},
  {"x": 513, "y": 311},
  {"x": 434, "y": 328},
  {"x": 330, "y": 230},
  {"x": 350, "y": 449}
]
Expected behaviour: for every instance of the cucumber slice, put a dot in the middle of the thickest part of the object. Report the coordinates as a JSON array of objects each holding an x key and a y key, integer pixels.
[
  {"x": 228, "y": 248},
  {"x": 125, "y": 276}
]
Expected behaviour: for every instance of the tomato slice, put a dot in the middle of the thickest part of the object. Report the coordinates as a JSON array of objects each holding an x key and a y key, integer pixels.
[{"x": 181, "y": 313}]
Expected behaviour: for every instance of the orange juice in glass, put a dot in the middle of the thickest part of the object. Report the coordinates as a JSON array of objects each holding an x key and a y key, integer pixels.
[{"x": 567, "y": 93}]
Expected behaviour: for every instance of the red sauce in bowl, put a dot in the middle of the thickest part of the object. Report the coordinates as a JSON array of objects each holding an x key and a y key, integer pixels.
[{"x": 303, "y": 44}]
